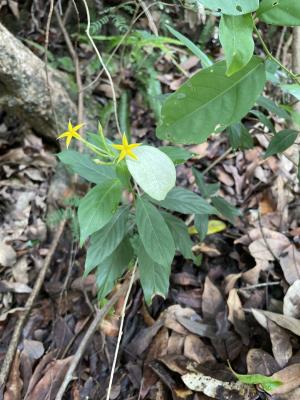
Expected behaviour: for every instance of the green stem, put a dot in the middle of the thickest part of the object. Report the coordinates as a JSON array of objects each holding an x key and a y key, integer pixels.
[{"x": 270, "y": 55}]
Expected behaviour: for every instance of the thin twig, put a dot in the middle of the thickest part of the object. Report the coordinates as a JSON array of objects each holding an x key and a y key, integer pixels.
[
  {"x": 103, "y": 65},
  {"x": 133, "y": 21},
  {"x": 80, "y": 110},
  {"x": 120, "y": 332},
  {"x": 217, "y": 160},
  {"x": 46, "y": 60},
  {"x": 87, "y": 337},
  {"x": 7, "y": 362},
  {"x": 270, "y": 55},
  {"x": 259, "y": 285}
]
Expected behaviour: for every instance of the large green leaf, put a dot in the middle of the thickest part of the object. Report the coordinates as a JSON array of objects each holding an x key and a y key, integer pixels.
[
  {"x": 112, "y": 268},
  {"x": 98, "y": 207},
  {"x": 237, "y": 41},
  {"x": 280, "y": 12},
  {"x": 107, "y": 239},
  {"x": 154, "y": 277},
  {"x": 180, "y": 235},
  {"x": 231, "y": 7},
  {"x": 186, "y": 202},
  {"x": 153, "y": 171},
  {"x": 154, "y": 233},
  {"x": 226, "y": 209},
  {"x": 281, "y": 141},
  {"x": 84, "y": 166},
  {"x": 210, "y": 101}
]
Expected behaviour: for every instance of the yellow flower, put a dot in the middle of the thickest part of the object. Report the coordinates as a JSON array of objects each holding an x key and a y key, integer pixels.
[
  {"x": 71, "y": 133},
  {"x": 126, "y": 149}
]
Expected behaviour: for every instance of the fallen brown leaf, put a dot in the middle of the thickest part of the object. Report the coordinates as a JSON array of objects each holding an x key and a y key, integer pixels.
[
  {"x": 291, "y": 301},
  {"x": 236, "y": 315},
  {"x": 14, "y": 384},
  {"x": 261, "y": 362},
  {"x": 290, "y": 378}
]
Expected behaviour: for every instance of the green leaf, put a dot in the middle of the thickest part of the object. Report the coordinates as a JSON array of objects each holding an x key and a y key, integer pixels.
[
  {"x": 226, "y": 209},
  {"x": 177, "y": 154},
  {"x": 210, "y": 101},
  {"x": 153, "y": 90},
  {"x": 112, "y": 268},
  {"x": 180, "y": 234},
  {"x": 153, "y": 276},
  {"x": 272, "y": 107},
  {"x": 124, "y": 113},
  {"x": 154, "y": 233},
  {"x": 280, "y": 12},
  {"x": 186, "y": 202},
  {"x": 231, "y": 7},
  {"x": 107, "y": 239},
  {"x": 191, "y": 46},
  {"x": 97, "y": 207},
  {"x": 281, "y": 141},
  {"x": 206, "y": 189},
  {"x": 264, "y": 120},
  {"x": 84, "y": 166},
  {"x": 153, "y": 171},
  {"x": 123, "y": 174},
  {"x": 237, "y": 41},
  {"x": 201, "y": 224},
  {"x": 267, "y": 383},
  {"x": 239, "y": 137},
  {"x": 293, "y": 89}
]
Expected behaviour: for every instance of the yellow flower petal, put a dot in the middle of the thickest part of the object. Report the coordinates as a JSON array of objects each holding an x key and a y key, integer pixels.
[
  {"x": 68, "y": 141},
  {"x": 70, "y": 127},
  {"x": 131, "y": 154},
  {"x": 134, "y": 145},
  {"x": 124, "y": 140},
  {"x": 118, "y": 146},
  {"x": 63, "y": 135},
  {"x": 77, "y": 127},
  {"x": 122, "y": 155}
]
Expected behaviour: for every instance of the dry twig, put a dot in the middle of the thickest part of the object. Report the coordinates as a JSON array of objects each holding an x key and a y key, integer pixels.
[
  {"x": 88, "y": 335},
  {"x": 120, "y": 332},
  {"x": 10, "y": 354}
]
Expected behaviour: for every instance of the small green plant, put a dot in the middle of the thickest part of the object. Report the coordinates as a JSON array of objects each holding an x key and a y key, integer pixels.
[{"x": 124, "y": 216}]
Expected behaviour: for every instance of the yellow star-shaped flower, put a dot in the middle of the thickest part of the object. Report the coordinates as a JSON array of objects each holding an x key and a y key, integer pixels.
[
  {"x": 71, "y": 133},
  {"x": 126, "y": 149}
]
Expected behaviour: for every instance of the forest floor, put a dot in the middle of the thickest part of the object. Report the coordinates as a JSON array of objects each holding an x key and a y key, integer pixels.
[{"x": 239, "y": 305}]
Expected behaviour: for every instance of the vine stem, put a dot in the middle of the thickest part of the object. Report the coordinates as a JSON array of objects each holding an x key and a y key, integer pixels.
[
  {"x": 103, "y": 65},
  {"x": 270, "y": 55},
  {"x": 120, "y": 331}
]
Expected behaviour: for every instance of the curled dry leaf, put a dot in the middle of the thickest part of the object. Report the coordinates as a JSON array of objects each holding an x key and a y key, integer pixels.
[
  {"x": 236, "y": 315},
  {"x": 212, "y": 300},
  {"x": 290, "y": 263},
  {"x": 286, "y": 322},
  {"x": 291, "y": 301},
  {"x": 261, "y": 362},
  {"x": 14, "y": 384},
  {"x": 195, "y": 349},
  {"x": 281, "y": 345},
  {"x": 7, "y": 255},
  {"x": 47, "y": 387}
]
